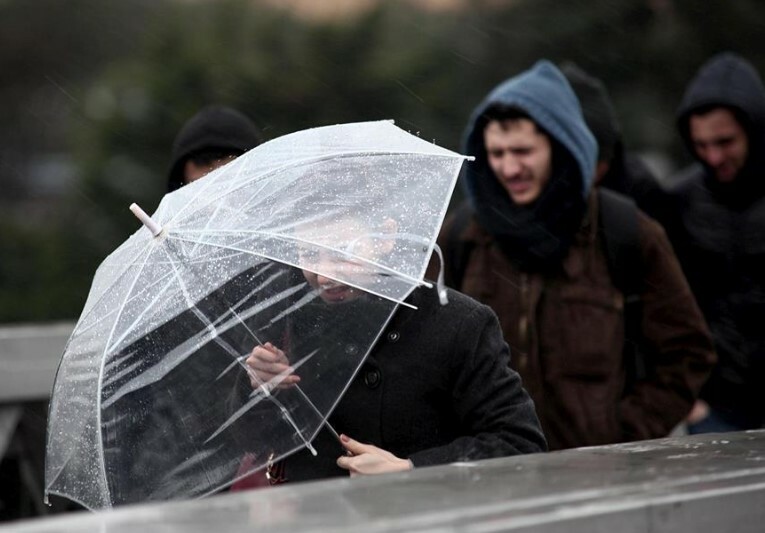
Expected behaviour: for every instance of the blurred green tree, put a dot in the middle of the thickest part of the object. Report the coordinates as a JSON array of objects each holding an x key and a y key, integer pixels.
[{"x": 108, "y": 86}]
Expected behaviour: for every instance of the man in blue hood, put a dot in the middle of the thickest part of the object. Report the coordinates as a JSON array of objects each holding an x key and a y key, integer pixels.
[
  {"x": 719, "y": 234},
  {"x": 531, "y": 247}
]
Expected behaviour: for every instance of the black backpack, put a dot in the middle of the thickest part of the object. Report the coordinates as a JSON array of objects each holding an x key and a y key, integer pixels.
[{"x": 618, "y": 225}]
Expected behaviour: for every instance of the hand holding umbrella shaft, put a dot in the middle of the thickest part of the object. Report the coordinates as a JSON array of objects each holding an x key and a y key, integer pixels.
[
  {"x": 367, "y": 459},
  {"x": 270, "y": 363}
]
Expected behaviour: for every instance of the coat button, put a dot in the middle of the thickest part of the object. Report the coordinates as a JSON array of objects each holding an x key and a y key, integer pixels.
[
  {"x": 393, "y": 336},
  {"x": 372, "y": 379}
]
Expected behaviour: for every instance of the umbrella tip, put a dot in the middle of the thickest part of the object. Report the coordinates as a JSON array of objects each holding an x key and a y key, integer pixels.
[{"x": 147, "y": 221}]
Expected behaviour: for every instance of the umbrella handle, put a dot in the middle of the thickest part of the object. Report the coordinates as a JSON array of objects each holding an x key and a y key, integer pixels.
[
  {"x": 147, "y": 221},
  {"x": 440, "y": 285}
]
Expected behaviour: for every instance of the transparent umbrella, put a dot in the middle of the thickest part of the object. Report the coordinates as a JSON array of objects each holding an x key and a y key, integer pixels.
[{"x": 308, "y": 242}]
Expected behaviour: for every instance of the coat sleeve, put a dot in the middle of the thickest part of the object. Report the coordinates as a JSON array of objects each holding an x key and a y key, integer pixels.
[
  {"x": 495, "y": 412},
  {"x": 681, "y": 353}
]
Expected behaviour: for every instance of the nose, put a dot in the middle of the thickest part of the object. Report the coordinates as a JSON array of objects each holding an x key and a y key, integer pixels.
[
  {"x": 714, "y": 156},
  {"x": 510, "y": 166}
]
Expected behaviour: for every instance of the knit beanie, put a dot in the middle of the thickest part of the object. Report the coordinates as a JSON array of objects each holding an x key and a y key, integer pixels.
[{"x": 215, "y": 127}]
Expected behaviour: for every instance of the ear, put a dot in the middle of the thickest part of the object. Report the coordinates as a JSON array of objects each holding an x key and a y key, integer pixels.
[{"x": 388, "y": 227}]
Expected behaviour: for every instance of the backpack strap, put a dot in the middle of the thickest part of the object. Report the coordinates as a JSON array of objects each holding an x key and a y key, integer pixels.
[
  {"x": 619, "y": 228},
  {"x": 618, "y": 225}
]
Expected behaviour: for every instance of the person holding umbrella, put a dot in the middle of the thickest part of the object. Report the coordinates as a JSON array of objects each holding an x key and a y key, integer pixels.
[
  {"x": 436, "y": 388},
  {"x": 154, "y": 399}
]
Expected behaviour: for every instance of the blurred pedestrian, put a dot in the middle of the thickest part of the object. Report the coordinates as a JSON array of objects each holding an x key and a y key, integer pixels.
[
  {"x": 211, "y": 138},
  {"x": 719, "y": 234},
  {"x": 617, "y": 169},
  {"x": 532, "y": 247}
]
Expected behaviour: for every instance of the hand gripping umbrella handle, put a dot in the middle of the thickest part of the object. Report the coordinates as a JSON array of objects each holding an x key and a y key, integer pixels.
[{"x": 147, "y": 221}]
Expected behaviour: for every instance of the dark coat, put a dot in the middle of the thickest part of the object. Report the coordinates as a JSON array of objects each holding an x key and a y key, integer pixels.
[
  {"x": 436, "y": 389},
  {"x": 630, "y": 176},
  {"x": 719, "y": 234},
  {"x": 566, "y": 333}
]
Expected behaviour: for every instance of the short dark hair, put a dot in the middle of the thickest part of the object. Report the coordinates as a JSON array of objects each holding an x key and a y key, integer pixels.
[
  {"x": 738, "y": 114},
  {"x": 501, "y": 112}
]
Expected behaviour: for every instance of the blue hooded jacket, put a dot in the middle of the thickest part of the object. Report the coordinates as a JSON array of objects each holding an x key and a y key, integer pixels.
[
  {"x": 544, "y": 93},
  {"x": 536, "y": 236}
]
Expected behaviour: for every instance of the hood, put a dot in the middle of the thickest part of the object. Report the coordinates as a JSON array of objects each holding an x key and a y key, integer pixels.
[
  {"x": 727, "y": 80},
  {"x": 534, "y": 238},
  {"x": 626, "y": 174},
  {"x": 547, "y": 97},
  {"x": 598, "y": 111},
  {"x": 730, "y": 81}
]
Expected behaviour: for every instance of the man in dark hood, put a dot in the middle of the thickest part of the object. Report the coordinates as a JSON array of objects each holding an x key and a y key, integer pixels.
[
  {"x": 532, "y": 250},
  {"x": 208, "y": 140},
  {"x": 617, "y": 169},
  {"x": 719, "y": 233}
]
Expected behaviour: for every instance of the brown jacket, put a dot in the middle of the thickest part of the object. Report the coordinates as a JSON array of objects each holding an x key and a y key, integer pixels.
[{"x": 566, "y": 335}]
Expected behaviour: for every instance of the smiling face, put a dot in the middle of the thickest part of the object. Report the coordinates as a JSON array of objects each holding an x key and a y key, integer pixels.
[
  {"x": 341, "y": 250},
  {"x": 323, "y": 269},
  {"x": 720, "y": 142},
  {"x": 520, "y": 157}
]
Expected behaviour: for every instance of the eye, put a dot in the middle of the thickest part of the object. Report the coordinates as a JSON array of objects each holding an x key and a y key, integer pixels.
[
  {"x": 522, "y": 151},
  {"x": 727, "y": 141}
]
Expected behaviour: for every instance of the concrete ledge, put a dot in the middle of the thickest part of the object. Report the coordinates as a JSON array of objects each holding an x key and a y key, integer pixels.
[
  {"x": 29, "y": 357},
  {"x": 703, "y": 483}
]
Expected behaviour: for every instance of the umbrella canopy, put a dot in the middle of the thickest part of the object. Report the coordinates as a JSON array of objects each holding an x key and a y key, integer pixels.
[{"x": 309, "y": 242}]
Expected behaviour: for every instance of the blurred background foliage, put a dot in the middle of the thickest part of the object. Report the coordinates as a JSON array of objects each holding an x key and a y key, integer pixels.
[{"x": 94, "y": 93}]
